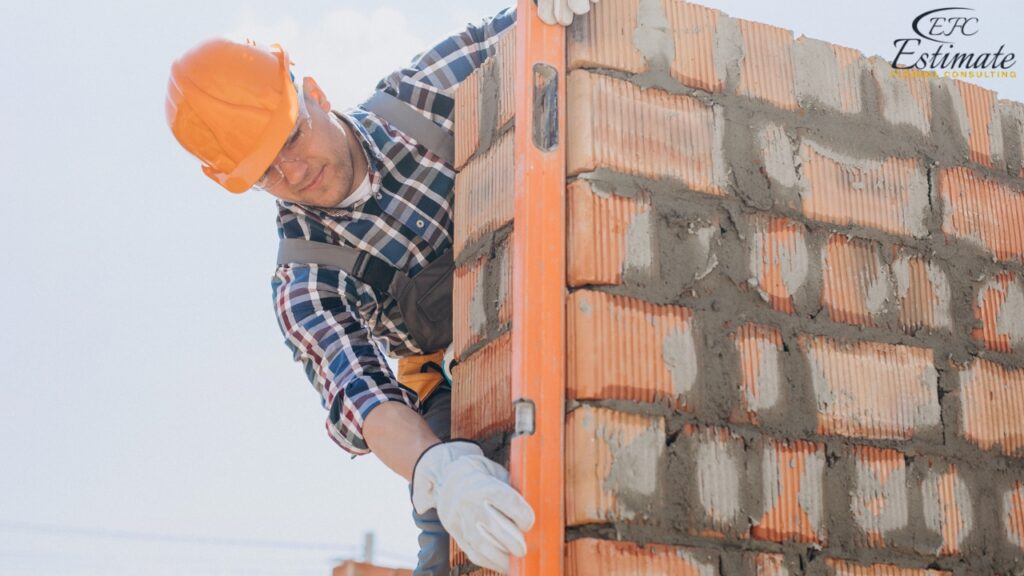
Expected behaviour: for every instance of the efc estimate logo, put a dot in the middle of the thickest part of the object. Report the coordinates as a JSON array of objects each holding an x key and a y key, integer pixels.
[{"x": 935, "y": 50}]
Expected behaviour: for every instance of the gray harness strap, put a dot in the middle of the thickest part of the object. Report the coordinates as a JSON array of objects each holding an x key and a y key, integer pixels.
[
  {"x": 402, "y": 116},
  {"x": 300, "y": 250},
  {"x": 378, "y": 273}
]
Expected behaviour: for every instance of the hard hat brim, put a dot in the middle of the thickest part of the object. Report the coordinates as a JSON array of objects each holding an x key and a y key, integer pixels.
[{"x": 262, "y": 155}]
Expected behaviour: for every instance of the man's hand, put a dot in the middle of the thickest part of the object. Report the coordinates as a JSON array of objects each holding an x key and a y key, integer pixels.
[
  {"x": 562, "y": 11},
  {"x": 474, "y": 502}
]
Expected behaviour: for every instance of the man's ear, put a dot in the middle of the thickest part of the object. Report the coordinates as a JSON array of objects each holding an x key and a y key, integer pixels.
[{"x": 313, "y": 90}]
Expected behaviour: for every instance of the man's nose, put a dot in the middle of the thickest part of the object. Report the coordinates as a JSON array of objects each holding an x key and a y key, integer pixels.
[{"x": 294, "y": 170}]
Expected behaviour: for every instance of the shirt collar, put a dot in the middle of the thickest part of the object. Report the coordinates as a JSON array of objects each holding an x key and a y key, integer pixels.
[{"x": 356, "y": 119}]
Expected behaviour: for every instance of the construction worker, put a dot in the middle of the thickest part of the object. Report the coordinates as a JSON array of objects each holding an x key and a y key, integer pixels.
[{"x": 365, "y": 216}]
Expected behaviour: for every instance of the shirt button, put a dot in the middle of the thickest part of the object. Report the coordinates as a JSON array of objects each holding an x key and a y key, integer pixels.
[
  {"x": 419, "y": 223},
  {"x": 378, "y": 195}
]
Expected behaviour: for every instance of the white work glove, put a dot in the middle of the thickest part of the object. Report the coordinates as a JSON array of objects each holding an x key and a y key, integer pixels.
[
  {"x": 474, "y": 502},
  {"x": 562, "y": 11}
]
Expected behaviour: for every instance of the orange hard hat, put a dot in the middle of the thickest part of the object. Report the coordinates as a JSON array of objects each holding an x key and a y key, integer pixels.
[{"x": 232, "y": 106}]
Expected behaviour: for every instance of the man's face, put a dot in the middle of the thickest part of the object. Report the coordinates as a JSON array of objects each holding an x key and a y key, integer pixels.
[{"x": 317, "y": 165}]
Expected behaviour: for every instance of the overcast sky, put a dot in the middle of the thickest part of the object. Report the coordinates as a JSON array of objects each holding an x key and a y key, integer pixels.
[{"x": 152, "y": 419}]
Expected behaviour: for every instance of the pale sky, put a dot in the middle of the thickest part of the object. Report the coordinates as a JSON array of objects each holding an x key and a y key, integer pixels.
[{"x": 153, "y": 420}]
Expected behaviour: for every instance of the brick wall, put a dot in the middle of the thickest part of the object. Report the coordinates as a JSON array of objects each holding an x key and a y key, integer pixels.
[{"x": 795, "y": 305}]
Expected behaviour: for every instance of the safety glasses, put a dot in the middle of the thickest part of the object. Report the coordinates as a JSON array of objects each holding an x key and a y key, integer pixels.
[{"x": 274, "y": 177}]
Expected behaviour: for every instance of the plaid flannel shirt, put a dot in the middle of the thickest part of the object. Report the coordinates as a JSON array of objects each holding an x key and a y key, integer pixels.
[{"x": 336, "y": 325}]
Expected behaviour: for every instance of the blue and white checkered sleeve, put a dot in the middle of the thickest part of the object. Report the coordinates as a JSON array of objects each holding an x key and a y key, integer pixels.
[
  {"x": 328, "y": 336},
  {"x": 429, "y": 80}
]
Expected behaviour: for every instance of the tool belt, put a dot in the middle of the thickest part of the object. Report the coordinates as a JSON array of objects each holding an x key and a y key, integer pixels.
[{"x": 422, "y": 373}]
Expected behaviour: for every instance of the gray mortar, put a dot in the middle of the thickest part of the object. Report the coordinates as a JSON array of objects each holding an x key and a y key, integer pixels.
[
  {"x": 634, "y": 475},
  {"x": 1010, "y": 321},
  {"x": 807, "y": 300},
  {"x": 816, "y": 74},
  {"x": 956, "y": 102},
  {"x": 1011, "y": 116},
  {"x": 901, "y": 105},
  {"x": 780, "y": 156},
  {"x": 680, "y": 353},
  {"x": 995, "y": 137},
  {"x": 639, "y": 259},
  {"x": 685, "y": 511},
  {"x": 1000, "y": 484},
  {"x": 478, "y": 305},
  {"x": 728, "y": 52},
  {"x": 653, "y": 36},
  {"x": 948, "y": 117},
  {"x": 490, "y": 96}
]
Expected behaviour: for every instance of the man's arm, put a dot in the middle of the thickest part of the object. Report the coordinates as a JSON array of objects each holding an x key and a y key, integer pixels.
[
  {"x": 428, "y": 82},
  {"x": 398, "y": 436},
  {"x": 328, "y": 336}
]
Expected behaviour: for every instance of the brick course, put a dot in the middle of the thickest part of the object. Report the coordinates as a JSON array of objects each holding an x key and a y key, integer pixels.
[{"x": 872, "y": 390}]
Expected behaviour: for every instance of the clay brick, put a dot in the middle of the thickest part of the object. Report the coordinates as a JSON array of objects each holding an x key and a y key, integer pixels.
[
  {"x": 611, "y": 462},
  {"x": 695, "y": 35},
  {"x": 872, "y": 390},
  {"x": 856, "y": 281},
  {"x": 778, "y": 260},
  {"x": 1000, "y": 309},
  {"x": 904, "y": 100},
  {"x": 482, "y": 391},
  {"x": 467, "y": 118},
  {"x": 719, "y": 464},
  {"x": 627, "y": 349},
  {"x": 768, "y": 565},
  {"x": 991, "y": 404},
  {"x": 844, "y": 568},
  {"x": 458, "y": 558},
  {"x": 983, "y": 212},
  {"x": 760, "y": 351},
  {"x": 922, "y": 292},
  {"x": 978, "y": 114},
  {"x": 890, "y": 195},
  {"x": 681, "y": 136},
  {"x": 947, "y": 506},
  {"x": 490, "y": 85},
  {"x": 469, "y": 301},
  {"x": 827, "y": 76},
  {"x": 588, "y": 557},
  {"x": 879, "y": 498},
  {"x": 504, "y": 266},
  {"x": 505, "y": 58},
  {"x": 608, "y": 234},
  {"x": 766, "y": 70},
  {"x": 603, "y": 38},
  {"x": 606, "y": 38},
  {"x": 1013, "y": 514},
  {"x": 485, "y": 193},
  {"x": 792, "y": 482},
  {"x": 851, "y": 65},
  {"x": 353, "y": 568}
]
